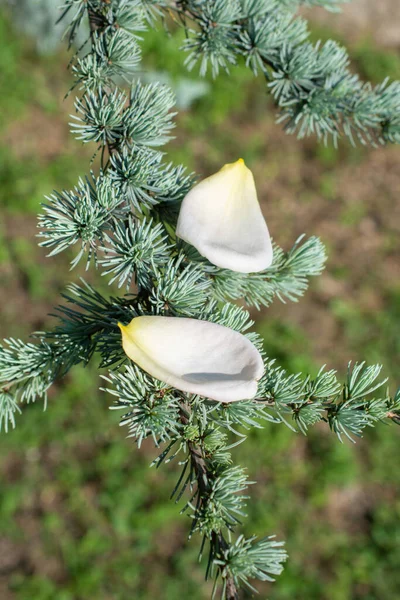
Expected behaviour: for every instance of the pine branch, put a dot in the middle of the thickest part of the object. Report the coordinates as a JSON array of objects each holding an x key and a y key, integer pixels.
[
  {"x": 27, "y": 371},
  {"x": 124, "y": 218},
  {"x": 286, "y": 279},
  {"x": 203, "y": 476},
  {"x": 88, "y": 323},
  {"x": 311, "y": 84},
  {"x": 347, "y": 408}
]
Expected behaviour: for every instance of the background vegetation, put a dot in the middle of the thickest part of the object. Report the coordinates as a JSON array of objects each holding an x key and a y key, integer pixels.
[{"x": 81, "y": 514}]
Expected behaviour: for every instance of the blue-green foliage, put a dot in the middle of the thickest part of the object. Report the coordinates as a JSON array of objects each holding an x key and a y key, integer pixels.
[
  {"x": 311, "y": 83},
  {"x": 124, "y": 217}
]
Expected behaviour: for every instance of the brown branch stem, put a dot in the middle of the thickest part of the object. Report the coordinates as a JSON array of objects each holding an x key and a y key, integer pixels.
[{"x": 203, "y": 477}]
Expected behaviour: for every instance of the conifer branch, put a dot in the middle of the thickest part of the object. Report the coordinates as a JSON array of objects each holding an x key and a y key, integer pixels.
[
  {"x": 312, "y": 84},
  {"x": 124, "y": 218},
  {"x": 203, "y": 476}
]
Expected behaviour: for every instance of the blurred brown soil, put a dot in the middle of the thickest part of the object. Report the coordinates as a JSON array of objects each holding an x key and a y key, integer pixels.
[
  {"x": 367, "y": 250},
  {"x": 378, "y": 18},
  {"x": 37, "y": 134}
]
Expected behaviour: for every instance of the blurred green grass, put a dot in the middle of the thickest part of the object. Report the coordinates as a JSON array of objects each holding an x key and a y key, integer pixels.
[{"x": 80, "y": 511}]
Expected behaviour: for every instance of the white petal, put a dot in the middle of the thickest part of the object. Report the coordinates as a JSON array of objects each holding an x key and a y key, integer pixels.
[
  {"x": 221, "y": 217},
  {"x": 194, "y": 356}
]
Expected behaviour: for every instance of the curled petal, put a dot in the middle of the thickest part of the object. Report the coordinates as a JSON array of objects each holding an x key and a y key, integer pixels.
[
  {"x": 194, "y": 356},
  {"x": 222, "y": 218}
]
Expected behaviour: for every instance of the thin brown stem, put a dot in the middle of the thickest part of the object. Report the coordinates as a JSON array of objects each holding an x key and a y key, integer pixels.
[{"x": 204, "y": 477}]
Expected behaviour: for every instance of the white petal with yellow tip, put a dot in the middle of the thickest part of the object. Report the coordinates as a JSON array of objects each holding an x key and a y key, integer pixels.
[
  {"x": 194, "y": 356},
  {"x": 222, "y": 219}
]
